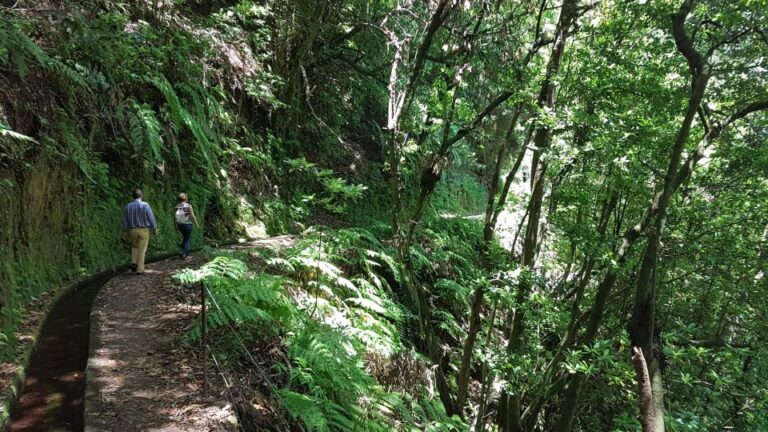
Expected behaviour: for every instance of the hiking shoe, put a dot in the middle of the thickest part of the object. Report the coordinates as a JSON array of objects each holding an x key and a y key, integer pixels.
[{"x": 134, "y": 267}]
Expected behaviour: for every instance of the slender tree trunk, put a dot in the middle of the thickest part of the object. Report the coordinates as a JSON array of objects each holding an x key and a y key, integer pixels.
[
  {"x": 509, "y": 179},
  {"x": 509, "y": 419},
  {"x": 576, "y": 319},
  {"x": 429, "y": 180},
  {"x": 462, "y": 379},
  {"x": 642, "y": 323},
  {"x": 399, "y": 101},
  {"x": 645, "y": 393},
  {"x": 486, "y": 377}
]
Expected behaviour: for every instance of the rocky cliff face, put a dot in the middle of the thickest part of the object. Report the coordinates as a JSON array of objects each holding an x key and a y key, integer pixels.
[{"x": 37, "y": 220}]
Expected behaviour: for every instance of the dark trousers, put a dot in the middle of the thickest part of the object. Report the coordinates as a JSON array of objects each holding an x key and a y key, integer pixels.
[{"x": 186, "y": 232}]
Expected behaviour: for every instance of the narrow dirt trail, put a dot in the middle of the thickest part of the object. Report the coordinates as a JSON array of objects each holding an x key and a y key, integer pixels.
[{"x": 139, "y": 377}]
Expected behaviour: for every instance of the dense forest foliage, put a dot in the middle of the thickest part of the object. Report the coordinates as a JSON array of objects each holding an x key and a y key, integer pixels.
[{"x": 517, "y": 215}]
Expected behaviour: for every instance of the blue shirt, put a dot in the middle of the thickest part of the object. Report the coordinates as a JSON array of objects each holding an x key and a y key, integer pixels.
[{"x": 138, "y": 214}]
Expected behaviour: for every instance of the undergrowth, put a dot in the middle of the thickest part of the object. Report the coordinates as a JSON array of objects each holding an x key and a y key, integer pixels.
[{"x": 334, "y": 298}]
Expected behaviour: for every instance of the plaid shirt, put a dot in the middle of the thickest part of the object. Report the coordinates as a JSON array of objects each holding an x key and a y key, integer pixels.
[{"x": 138, "y": 214}]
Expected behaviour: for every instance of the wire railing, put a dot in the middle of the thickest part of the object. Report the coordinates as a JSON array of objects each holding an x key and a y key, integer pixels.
[
  {"x": 241, "y": 342},
  {"x": 227, "y": 385},
  {"x": 207, "y": 293}
]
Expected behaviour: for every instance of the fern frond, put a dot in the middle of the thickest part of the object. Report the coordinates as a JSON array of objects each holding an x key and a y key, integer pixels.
[
  {"x": 367, "y": 304},
  {"x": 183, "y": 117},
  {"x": 347, "y": 284},
  {"x": 281, "y": 264},
  {"x": 145, "y": 130},
  {"x": 388, "y": 261},
  {"x": 420, "y": 260},
  {"x": 25, "y": 54},
  {"x": 6, "y": 131},
  {"x": 219, "y": 267},
  {"x": 453, "y": 292},
  {"x": 306, "y": 409}
]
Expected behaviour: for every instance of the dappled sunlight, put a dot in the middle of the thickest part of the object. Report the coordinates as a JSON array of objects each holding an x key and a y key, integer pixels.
[
  {"x": 438, "y": 216},
  {"x": 138, "y": 376}
]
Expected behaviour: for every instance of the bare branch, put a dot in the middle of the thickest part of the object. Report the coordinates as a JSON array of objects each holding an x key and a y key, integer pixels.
[
  {"x": 727, "y": 41},
  {"x": 704, "y": 118},
  {"x": 437, "y": 20},
  {"x": 714, "y": 132},
  {"x": 746, "y": 110},
  {"x": 500, "y": 99}
]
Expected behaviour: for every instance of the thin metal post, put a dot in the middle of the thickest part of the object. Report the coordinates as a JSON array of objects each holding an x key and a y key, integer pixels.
[{"x": 204, "y": 339}]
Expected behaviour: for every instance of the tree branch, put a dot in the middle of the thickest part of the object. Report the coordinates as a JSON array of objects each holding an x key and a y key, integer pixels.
[
  {"x": 744, "y": 111},
  {"x": 714, "y": 132},
  {"x": 437, "y": 20},
  {"x": 682, "y": 41},
  {"x": 716, "y": 342},
  {"x": 475, "y": 123}
]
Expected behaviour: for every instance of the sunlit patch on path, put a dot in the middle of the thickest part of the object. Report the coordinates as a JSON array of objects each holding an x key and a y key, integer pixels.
[{"x": 139, "y": 377}]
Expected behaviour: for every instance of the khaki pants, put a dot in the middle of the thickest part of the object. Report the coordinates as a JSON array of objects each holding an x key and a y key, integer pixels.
[{"x": 139, "y": 238}]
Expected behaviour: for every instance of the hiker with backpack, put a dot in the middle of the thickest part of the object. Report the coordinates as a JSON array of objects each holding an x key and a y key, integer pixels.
[{"x": 184, "y": 217}]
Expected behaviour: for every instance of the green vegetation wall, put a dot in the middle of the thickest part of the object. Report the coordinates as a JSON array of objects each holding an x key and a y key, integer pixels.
[
  {"x": 99, "y": 99},
  {"x": 55, "y": 227},
  {"x": 95, "y": 103}
]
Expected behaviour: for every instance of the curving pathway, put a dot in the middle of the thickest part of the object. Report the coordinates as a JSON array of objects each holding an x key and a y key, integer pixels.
[{"x": 139, "y": 377}]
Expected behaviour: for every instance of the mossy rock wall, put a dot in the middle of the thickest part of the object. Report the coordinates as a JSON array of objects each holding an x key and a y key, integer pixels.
[{"x": 53, "y": 227}]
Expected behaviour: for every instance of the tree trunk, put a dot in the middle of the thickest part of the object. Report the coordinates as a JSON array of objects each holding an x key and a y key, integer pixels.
[
  {"x": 486, "y": 377},
  {"x": 645, "y": 393},
  {"x": 509, "y": 418},
  {"x": 462, "y": 380},
  {"x": 642, "y": 323}
]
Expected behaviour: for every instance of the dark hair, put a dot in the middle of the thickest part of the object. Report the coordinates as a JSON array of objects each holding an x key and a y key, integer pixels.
[{"x": 137, "y": 194}]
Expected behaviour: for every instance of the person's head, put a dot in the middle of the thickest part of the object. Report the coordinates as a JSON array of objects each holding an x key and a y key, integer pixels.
[
  {"x": 183, "y": 197},
  {"x": 138, "y": 194}
]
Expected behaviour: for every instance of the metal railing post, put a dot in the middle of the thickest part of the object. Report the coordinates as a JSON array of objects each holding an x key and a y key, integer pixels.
[{"x": 204, "y": 338}]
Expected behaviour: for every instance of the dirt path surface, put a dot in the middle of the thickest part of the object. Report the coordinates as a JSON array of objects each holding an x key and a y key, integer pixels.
[{"x": 139, "y": 376}]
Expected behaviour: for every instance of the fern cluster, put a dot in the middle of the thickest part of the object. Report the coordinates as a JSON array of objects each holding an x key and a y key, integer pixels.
[
  {"x": 346, "y": 279},
  {"x": 237, "y": 298},
  {"x": 332, "y": 298},
  {"x": 23, "y": 54}
]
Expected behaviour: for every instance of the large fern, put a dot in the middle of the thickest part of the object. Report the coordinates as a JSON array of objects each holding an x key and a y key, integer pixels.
[
  {"x": 329, "y": 388},
  {"x": 145, "y": 131},
  {"x": 329, "y": 366},
  {"x": 237, "y": 298},
  {"x": 25, "y": 54},
  {"x": 183, "y": 117}
]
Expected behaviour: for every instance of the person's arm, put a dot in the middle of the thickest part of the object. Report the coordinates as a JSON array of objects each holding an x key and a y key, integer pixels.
[{"x": 194, "y": 218}]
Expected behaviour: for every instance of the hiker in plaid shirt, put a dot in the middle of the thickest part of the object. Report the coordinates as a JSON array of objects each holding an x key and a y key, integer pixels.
[{"x": 138, "y": 220}]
